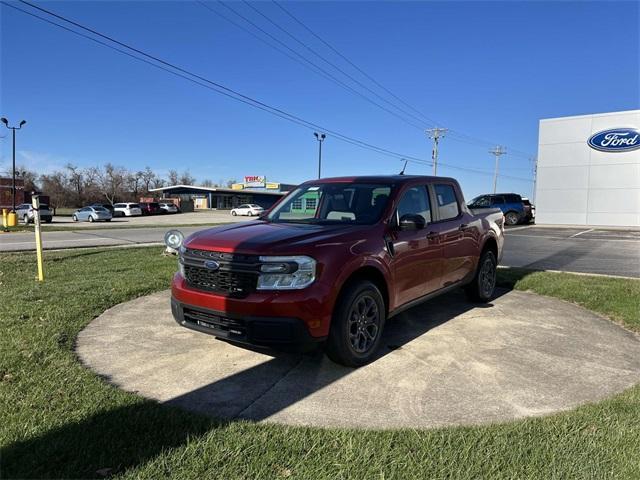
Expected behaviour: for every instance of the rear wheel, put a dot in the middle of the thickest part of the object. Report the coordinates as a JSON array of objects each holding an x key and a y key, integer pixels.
[
  {"x": 356, "y": 328},
  {"x": 511, "y": 218},
  {"x": 74, "y": 218},
  {"x": 484, "y": 282},
  {"x": 25, "y": 219},
  {"x": 233, "y": 212}
]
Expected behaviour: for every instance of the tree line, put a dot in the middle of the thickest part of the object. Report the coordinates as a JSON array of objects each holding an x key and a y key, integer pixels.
[{"x": 75, "y": 186}]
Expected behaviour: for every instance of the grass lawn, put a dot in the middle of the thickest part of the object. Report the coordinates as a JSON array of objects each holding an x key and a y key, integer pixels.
[{"x": 57, "y": 419}]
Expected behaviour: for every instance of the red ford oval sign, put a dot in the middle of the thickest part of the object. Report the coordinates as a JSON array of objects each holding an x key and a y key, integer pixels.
[{"x": 616, "y": 140}]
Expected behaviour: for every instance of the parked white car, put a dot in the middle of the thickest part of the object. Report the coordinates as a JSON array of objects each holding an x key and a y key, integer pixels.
[
  {"x": 127, "y": 210},
  {"x": 168, "y": 207},
  {"x": 250, "y": 209}
]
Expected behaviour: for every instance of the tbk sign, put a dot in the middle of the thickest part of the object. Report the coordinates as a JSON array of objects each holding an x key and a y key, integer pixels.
[{"x": 615, "y": 140}]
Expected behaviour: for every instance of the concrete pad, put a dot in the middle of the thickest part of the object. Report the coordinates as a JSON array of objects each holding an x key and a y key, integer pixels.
[{"x": 447, "y": 362}]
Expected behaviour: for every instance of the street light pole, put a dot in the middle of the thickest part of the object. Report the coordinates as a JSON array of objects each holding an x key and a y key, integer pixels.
[
  {"x": 13, "y": 184},
  {"x": 320, "y": 137}
]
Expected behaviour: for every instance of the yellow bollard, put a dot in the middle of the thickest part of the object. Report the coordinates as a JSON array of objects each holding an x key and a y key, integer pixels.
[
  {"x": 35, "y": 203},
  {"x": 4, "y": 218},
  {"x": 12, "y": 219}
]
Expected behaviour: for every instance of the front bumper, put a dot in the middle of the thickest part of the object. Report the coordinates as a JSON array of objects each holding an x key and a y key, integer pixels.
[
  {"x": 311, "y": 307},
  {"x": 259, "y": 331}
]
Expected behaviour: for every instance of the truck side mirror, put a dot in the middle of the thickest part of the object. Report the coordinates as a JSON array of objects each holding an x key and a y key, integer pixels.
[{"x": 412, "y": 221}]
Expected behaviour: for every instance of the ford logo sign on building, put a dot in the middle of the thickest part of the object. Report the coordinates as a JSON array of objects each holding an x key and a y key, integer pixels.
[{"x": 616, "y": 140}]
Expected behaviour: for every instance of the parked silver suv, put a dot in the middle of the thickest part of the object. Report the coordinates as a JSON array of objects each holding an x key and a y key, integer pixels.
[{"x": 25, "y": 212}]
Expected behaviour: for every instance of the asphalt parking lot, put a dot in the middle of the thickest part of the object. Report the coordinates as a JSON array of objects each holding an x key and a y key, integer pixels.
[{"x": 583, "y": 250}]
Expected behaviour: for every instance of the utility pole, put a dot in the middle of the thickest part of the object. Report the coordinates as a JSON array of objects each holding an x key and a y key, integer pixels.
[
  {"x": 13, "y": 185},
  {"x": 435, "y": 134},
  {"x": 497, "y": 151},
  {"x": 320, "y": 137}
]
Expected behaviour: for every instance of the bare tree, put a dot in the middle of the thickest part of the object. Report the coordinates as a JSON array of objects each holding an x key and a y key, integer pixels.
[
  {"x": 173, "y": 177},
  {"x": 186, "y": 178},
  {"x": 29, "y": 177},
  {"x": 112, "y": 182},
  {"x": 149, "y": 179},
  {"x": 207, "y": 183},
  {"x": 55, "y": 186}
]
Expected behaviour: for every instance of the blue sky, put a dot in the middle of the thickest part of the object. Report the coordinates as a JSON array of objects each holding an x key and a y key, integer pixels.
[{"x": 488, "y": 69}]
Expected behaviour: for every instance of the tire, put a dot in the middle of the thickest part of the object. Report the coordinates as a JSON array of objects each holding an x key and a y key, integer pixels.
[
  {"x": 483, "y": 286},
  {"x": 74, "y": 218},
  {"x": 91, "y": 219},
  {"x": 49, "y": 220},
  {"x": 108, "y": 219},
  {"x": 25, "y": 219},
  {"x": 233, "y": 213},
  {"x": 357, "y": 302},
  {"x": 511, "y": 218}
]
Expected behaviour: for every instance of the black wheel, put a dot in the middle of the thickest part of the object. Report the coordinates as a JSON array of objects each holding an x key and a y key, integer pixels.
[
  {"x": 233, "y": 213},
  {"x": 511, "y": 218},
  {"x": 25, "y": 219},
  {"x": 49, "y": 220},
  {"x": 484, "y": 282},
  {"x": 74, "y": 218},
  {"x": 356, "y": 328},
  {"x": 108, "y": 219}
]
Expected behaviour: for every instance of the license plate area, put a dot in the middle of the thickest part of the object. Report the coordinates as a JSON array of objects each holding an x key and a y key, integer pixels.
[{"x": 217, "y": 325}]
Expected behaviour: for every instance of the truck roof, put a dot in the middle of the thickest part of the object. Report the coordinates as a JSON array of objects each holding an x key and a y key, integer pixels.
[{"x": 379, "y": 179}]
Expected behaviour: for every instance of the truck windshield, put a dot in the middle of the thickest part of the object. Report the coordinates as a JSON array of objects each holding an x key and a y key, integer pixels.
[{"x": 333, "y": 203}]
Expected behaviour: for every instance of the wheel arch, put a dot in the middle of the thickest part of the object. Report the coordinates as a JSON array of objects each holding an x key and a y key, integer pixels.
[{"x": 369, "y": 273}]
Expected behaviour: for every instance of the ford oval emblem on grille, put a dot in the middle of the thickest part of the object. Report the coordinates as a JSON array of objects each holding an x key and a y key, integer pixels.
[{"x": 211, "y": 265}]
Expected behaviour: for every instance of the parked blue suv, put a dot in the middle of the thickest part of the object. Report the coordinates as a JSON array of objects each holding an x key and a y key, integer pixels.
[{"x": 514, "y": 209}]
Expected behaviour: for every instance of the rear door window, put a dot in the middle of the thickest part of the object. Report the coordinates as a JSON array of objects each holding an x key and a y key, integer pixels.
[
  {"x": 512, "y": 198},
  {"x": 447, "y": 202},
  {"x": 497, "y": 200}
]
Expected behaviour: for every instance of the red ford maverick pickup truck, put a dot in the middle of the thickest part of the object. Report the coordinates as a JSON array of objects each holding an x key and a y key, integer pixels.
[{"x": 333, "y": 260}]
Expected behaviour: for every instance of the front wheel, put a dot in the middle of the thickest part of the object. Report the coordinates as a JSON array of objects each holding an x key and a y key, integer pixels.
[
  {"x": 484, "y": 282},
  {"x": 233, "y": 212},
  {"x": 25, "y": 219},
  {"x": 74, "y": 218},
  {"x": 90, "y": 218},
  {"x": 357, "y": 324}
]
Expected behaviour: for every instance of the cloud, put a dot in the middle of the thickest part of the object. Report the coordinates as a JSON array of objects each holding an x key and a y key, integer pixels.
[{"x": 41, "y": 163}]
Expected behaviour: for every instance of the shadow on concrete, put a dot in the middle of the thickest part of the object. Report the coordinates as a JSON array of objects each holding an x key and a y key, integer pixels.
[{"x": 131, "y": 435}]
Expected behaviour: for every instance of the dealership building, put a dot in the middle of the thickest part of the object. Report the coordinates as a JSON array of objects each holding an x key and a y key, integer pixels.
[{"x": 588, "y": 170}]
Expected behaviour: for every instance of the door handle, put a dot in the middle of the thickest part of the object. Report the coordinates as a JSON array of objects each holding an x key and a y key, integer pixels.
[
  {"x": 432, "y": 235},
  {"x": 463, "y": 226}
]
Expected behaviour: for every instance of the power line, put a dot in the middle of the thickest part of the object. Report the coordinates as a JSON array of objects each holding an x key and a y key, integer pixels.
[
  {"x": 219, "y": 88},
  {"x": 329, "y": 62},
  {"x": 316, "y": 67},
  {"x": 455, "y": 135}
]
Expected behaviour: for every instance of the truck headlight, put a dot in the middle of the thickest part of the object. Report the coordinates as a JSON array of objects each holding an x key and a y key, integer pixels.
[{"x": 286, "y": 272}]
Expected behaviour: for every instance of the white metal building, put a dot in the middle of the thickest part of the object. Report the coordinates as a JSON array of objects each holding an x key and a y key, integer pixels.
[{"x": 589, "y": 170}]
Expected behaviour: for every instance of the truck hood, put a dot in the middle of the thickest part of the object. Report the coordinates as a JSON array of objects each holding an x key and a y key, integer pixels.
[{"x": 259, "y": 237}]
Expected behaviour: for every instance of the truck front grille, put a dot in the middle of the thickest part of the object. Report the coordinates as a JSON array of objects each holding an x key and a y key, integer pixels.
[
  {"x": 235, "y": 284},
  {"x": 235, "y": 275}
]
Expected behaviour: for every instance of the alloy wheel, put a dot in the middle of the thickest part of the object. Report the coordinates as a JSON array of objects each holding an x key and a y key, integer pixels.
[
  {"x": 487, "y": 278},
  {"x": 364, "y": 323}
]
